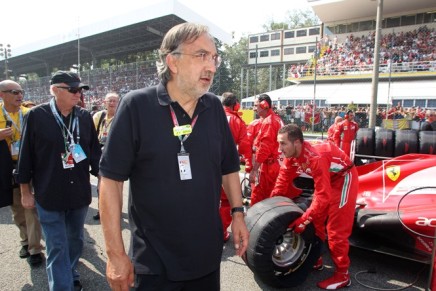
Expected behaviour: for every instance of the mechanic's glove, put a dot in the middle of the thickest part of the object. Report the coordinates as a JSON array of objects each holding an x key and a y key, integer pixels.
[{"x": 299, "y": 225}]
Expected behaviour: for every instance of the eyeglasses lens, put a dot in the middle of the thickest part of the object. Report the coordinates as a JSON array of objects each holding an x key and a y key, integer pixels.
[
  {"x": 74, "y": 90},
  {"x": 15, "y": 92}
]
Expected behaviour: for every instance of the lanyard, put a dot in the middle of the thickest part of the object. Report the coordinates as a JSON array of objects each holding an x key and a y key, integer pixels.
[
  {"x": 62, "y": 125},
  {"x": 176, "y": 123},
  {"x": 8, "y": 117},
  {"x": 106, "y": 125}
]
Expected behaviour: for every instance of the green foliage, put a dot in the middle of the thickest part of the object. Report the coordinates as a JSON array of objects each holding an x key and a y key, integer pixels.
[{"x": 301, "y": 18}]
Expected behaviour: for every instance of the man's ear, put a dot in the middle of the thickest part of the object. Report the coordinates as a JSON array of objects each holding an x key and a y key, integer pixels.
[{"x": 172, "y": 62}]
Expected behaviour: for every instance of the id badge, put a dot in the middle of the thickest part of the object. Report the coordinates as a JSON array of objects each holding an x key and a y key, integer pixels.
[
  {"x": 184, "y": 166},
  {"x": 67, "y": 160},
  {"x": 77, "y": 152},
  {"x": 15, "y": 148}
]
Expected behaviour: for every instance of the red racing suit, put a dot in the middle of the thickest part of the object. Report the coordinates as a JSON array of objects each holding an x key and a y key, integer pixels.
[
  {"x": 334, "y": 199},
  {"x": 331, "y": 132},
  {"x": 252, "y": 131},
  {"x": 267, "y": 152},
  {"x": 348, "y": 130},
  {"x": 239, "y": 132}
]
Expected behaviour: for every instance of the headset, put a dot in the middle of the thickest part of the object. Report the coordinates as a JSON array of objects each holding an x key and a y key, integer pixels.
[
  {"x": 348, "y": 114},
  {"x": 264, "y": 104}
]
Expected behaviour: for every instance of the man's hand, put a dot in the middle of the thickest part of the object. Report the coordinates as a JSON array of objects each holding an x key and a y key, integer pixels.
[
  {"x": 5, "y": 132},
  {"x": 240, "y": 233},
  {"x": 299, "y": 225},
  {"x": 119, "y": 272},
  {"x": 27, "y": 197}
]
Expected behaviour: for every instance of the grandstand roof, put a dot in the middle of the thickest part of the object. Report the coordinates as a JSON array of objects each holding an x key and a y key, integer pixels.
[
  {"x": 137, "y": 31},
  {"x": 357, "y": 92},
  {"x": 330, "y": 11}
]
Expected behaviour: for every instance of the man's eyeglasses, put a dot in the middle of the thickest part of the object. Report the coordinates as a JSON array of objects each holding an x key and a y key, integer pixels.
[
  {"x": 14, "y": 92},
  {"x": 216, "y": 59},
  {"x": 72, "y": 90}
]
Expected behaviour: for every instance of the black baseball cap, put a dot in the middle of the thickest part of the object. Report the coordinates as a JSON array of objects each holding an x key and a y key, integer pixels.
[{"x": 69, "y": 78}]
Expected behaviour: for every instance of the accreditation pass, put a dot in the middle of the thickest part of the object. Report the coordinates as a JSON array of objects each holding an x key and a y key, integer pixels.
[{"x": 184, "y": 166}]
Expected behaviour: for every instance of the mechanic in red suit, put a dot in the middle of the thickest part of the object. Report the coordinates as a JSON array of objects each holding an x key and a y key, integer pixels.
[
  {"x": 332, "y": 129},
  {"x": 239, "y": 132},
  {"x": 347, "y": 129},
  {"x": 252, "y": 131},
  {"x": 265, "y": 166},
  {"x": 332, "y": 208}
]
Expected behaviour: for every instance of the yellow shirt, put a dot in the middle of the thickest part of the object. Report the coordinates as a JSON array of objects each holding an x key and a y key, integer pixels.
[
  {"x": 15, "y": 116},
  {"x": 104, "y": 126}
]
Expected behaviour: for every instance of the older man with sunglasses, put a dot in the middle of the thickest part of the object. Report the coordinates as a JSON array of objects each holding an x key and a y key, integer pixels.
[
  {"x": 58, "y": 147},
  {"x": 11, "y": 121}
]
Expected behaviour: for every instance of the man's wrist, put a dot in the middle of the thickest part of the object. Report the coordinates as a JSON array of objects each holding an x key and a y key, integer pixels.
[{"x": 239, "y": 209}]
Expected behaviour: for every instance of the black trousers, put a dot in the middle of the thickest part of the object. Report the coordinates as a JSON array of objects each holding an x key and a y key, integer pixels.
[{"x": 210, "y": 282}]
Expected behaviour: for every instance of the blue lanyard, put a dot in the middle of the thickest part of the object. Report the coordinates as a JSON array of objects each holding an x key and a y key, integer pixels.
[{"x": 62, "y": 125}]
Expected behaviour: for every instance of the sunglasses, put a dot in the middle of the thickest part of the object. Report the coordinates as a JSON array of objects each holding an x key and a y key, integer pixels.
[
  {"x": 14, "y": 92},
  {"x": 72, "y": 90}
]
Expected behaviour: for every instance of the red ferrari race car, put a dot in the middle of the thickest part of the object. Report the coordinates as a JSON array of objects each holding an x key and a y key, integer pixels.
[{"x": 395, "y": 214}]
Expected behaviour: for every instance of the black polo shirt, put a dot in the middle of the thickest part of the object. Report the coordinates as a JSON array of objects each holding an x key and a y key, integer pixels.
[
  {"x": 42, "y": 145},
  {"x": 175, "y": 224}
]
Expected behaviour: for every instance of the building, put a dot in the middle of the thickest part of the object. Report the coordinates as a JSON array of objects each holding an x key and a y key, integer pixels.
[{"x": 329, "y": 81}]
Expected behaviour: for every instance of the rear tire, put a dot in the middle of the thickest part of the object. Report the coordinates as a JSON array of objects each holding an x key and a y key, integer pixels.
[{"x": 276, "y": 255}]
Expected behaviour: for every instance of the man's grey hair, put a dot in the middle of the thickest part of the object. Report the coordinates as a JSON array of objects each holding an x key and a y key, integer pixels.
[{"x": 183, "y": 33}]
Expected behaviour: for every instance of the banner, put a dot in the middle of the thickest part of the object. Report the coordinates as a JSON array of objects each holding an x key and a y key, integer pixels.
[{"x": 308, "y": 118}]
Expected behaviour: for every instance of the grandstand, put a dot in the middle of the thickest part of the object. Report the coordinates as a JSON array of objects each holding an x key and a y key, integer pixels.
[
  {"x": 117, "y": 38},
  {"x": 345, "y": 55}
]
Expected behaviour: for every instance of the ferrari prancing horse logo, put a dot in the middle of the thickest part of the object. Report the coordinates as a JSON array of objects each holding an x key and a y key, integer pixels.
[{"x": 393, "y": 172}]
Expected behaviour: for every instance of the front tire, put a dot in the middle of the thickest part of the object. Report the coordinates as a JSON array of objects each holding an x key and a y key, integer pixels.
[{"x": 275, "y": 254}]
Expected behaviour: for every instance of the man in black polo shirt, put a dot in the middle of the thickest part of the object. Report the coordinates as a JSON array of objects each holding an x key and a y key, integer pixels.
[
  {"x": 174, "y": 144},
  {"x": 59, "y": 145}
]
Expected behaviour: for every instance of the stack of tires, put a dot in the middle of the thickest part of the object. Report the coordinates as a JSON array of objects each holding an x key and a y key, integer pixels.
[{"x": 392, "y": 143}]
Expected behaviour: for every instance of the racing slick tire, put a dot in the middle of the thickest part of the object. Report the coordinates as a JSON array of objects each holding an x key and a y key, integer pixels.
[
  {"x": 276, "y": 255},
  {"x": 406, "y": 141},
  {"x": 427, "y": 142},
  {"x": 365, "y": 141},
  {"x": 384, "y": 142}
]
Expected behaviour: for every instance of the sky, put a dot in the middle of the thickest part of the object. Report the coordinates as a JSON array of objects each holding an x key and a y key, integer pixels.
[{"x": 27, "y": 22}]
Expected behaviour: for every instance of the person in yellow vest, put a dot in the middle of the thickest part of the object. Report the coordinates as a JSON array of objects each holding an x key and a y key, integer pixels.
[
  {"x": 102, "y": 121},
  {"x": 11, "y": 120}
]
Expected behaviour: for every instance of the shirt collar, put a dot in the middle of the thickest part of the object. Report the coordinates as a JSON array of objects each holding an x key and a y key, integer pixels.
[{"x": 164, "y": 99}]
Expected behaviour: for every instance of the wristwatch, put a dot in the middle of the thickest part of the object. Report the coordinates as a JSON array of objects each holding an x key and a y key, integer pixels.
[{"x": 238, "y": 209}]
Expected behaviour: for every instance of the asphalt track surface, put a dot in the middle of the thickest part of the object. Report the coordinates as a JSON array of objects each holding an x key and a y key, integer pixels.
[{"x": 15, "y": 274}]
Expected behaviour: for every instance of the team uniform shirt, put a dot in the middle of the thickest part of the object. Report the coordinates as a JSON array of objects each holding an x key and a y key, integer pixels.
[
  {"x": 40, "y": 161},
  {"x": 239, "y": 131},
  {"x": 266, "y": 154},
  {"x": 267, "y": 147},
  {"x": 252, "y": 131},
  {"x": 167, "y": 213},
  {"x": 334, "y": 199},
  {"x": 331, "y": 132},
  {"x": 17, "y": 120},
  {"x": 344, "y": 134}
]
